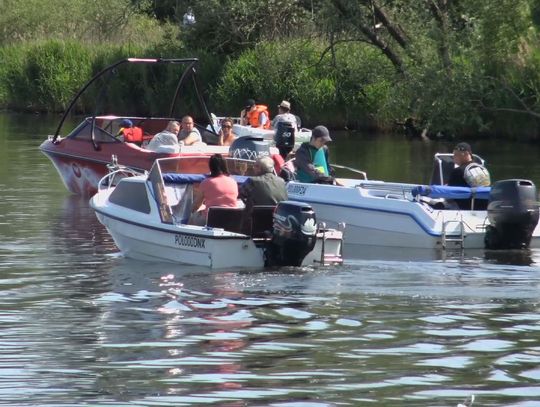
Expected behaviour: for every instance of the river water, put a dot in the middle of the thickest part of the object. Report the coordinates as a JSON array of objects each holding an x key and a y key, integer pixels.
[{"x": 82, "y": 326}]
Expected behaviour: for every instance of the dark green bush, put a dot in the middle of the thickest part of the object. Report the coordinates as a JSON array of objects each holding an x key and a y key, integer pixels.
[{"x": 353, "y": 91}]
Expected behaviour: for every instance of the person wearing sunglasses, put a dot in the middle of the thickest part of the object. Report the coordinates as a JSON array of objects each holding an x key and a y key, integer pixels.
[{"x": 226, "y": 136}]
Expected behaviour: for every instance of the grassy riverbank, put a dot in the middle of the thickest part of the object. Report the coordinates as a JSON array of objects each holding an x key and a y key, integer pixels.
[{"x": 467, "y": 71}]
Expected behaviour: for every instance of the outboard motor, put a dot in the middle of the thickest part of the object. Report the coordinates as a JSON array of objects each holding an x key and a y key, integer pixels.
[
  {"x": 294, "y": 234},
  {"x": 285, "y": 137},
  {"x": 249, "y": 148},
  {"x": 512, "y": 213}
]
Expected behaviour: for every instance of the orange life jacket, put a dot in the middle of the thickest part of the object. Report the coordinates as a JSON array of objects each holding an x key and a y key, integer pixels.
[
  {"x": 253, "y": 116},
  {"x": 133, "y": 134}
]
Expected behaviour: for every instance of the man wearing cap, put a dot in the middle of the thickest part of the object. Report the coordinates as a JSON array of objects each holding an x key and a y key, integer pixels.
[
  {"x": 285, "y": 125},
  {"x": 311, "y": 159},
  {"x": 255, "y": 115},
  {"x": 467, "y": 173},
  {"x": 130, "y": 133},
  {"x": 266, "y": 188}
]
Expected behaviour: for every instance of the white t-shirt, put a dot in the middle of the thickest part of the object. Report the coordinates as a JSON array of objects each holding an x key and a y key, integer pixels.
[
  {"x": 164, "y": 138},
  {"x": 183, "y": 134},
  {"x": 284, "y": 117}
]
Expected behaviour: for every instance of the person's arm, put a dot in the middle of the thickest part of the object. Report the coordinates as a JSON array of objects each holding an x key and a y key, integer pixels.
[
  {"x": 263, "y": 118},
  {"x": 243, "y": 118},
  {"x": 193, "y": 137},
  {"x": 220, "y": 140},
  {"x": 245, "y": 191},
  {"x": 331, "y": 171},
  {"x": 198, "y": 198},
  {"x": 303, "y": 161}
]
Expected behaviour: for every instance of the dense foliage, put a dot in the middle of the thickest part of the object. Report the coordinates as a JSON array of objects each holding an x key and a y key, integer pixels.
[{"x": 467, "y": 67}]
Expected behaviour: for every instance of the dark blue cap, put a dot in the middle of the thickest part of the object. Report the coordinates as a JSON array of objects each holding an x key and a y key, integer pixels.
[{"x": 126, "y": 123}]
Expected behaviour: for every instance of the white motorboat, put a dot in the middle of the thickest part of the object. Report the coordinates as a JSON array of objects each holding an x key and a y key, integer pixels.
[
  {"x": 147, "y": 217},
  {"x": 387, "y": 214}
]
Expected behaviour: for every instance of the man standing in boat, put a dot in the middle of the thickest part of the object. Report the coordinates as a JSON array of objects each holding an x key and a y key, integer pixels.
[
  {"x": 285, "y": 125},
  {"x": 311, "y": 159}
]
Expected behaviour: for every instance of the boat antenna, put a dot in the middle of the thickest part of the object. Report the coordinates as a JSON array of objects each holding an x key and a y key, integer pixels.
[
  {"x": 191, "y": 70},
  {"x": 203, "y": 104}
]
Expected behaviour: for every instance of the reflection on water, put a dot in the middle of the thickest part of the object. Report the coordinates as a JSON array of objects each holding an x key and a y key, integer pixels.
[
  {"x": 526, "y": 257},
  {"x": 381, "y": 332},
  {"x": 80, "y": 325}
]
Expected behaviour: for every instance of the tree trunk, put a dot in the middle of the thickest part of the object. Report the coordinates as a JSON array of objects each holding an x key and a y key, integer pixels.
[
  {"x": 394, "y": 30},
  {"x": 439, "y": 9},
  {"x": 372, "y": 37}
]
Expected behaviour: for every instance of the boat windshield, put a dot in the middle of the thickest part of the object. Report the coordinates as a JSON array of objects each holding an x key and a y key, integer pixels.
[
  {"x": 163, "y": 172},
  {"x": 198, "y": 164}
]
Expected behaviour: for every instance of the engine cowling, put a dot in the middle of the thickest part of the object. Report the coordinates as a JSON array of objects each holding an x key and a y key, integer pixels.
[
  {"x": 285, "y": 135},
  {"x": 513, "y": 214},
  {"x": 294, "y": 233},
  {"x": 249, "y": 148}
]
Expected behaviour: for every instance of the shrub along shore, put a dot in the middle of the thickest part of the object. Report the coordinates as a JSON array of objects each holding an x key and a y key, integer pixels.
[{"x": 476, "y": 77}]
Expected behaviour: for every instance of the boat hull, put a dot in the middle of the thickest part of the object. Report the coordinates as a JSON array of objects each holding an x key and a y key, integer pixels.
[
  {"x": 181, "y": 244},
  {"x": 184, "y": 244},
  {"x": 81, "y": 166},
  {"x": 388, "y": 219}
]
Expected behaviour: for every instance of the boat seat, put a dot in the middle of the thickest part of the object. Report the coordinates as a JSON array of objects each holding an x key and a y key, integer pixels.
[
  {"x": 228, "y": 218},
  {"x": 262, "y": 220}
]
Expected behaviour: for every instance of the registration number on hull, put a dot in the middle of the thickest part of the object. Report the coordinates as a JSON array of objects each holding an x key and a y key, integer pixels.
[{"x": 189, "y": 241}]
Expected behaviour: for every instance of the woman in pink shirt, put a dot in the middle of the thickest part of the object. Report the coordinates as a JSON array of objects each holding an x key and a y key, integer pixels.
[{"x": 219, "y": 189}]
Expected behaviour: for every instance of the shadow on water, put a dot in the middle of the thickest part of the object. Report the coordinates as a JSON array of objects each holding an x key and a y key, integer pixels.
[{"x": 524, "y": 257}]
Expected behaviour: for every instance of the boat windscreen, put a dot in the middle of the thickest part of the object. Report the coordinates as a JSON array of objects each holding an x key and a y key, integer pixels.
[{"x": 160, "y": 195}]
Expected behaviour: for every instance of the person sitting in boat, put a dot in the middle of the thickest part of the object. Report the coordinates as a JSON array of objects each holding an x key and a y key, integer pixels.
[
  {"x": 467, "y": 173},
  {"x": 285, "y": 125},
  {"x": 167, "y": 139},
  {"x": 189, "y": 134},
  {"x": 311, "y": 158},
  {"x": 265, "y": 188},
  {"x": 226, "y": 136},
  {"x": 255, "y": 115},
  {"x": 130, "y": 133},
  {"x": 219, "y": 189}
]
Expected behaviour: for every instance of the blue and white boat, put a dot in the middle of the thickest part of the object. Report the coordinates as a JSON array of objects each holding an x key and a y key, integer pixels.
[{"x": 400, "y": 215}]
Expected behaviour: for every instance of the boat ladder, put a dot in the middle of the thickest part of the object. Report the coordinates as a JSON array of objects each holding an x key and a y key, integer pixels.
[{"x": 453, "y": 238}]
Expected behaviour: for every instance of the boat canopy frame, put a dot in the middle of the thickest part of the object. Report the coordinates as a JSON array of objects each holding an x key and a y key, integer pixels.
[{"x": 189, "y": 71}]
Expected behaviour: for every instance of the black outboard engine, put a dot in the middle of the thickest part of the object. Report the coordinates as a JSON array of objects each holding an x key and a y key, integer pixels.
[
  {"x": 294, "y": 234},
  {"x": 512, "y": 213},
  {"x": 284, "y": 137},
  {"x": 249, "y": 148}
]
